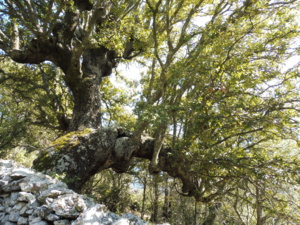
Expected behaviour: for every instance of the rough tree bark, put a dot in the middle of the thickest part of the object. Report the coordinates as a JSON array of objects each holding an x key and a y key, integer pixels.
[{"x": 80, "y": 155}]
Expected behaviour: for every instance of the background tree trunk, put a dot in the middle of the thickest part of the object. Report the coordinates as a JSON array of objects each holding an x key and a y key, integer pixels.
[
  {"x": 167, "y": 204},
  {"x": 144, "y": 197},
  {"x": 259, "y": 195},
  {"x": 195, "y": 213},
  {"x": 212, "y": 213},
  {"x": 154, "y": 217}
]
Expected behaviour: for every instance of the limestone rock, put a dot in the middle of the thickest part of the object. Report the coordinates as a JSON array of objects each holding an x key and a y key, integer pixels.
[
  {"x": 26, "y": 197},
  {"x": 97, "y": 215},
  {"x": 53, "y": 217},
  {"x": 22, "y": 220},
  {"x": 29, "y": 197},
  {"x": 62, "y": 222},
  {"x": 65, "y": 206}
]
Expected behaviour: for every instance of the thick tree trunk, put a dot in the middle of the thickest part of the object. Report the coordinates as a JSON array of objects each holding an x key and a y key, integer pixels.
[
  {"x": 97, "y": 63},
  {"x": 87, "y": 108},
  {"x": 83, "y": 64},
  {"x": 81, "y": 154},
  {"x": 83, "y": 76}
]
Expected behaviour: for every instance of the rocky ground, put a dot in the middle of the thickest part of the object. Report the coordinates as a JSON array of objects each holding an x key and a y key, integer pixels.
[{"x": 29, "y": 197}]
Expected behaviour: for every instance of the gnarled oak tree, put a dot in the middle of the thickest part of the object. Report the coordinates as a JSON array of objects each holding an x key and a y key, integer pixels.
[{"x": 215, "y": 89}]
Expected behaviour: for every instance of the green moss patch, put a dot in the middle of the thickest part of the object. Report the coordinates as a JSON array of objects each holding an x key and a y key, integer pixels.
[
  {"x": 47, "y": 158},
  {"x": 70, "y": 139}
]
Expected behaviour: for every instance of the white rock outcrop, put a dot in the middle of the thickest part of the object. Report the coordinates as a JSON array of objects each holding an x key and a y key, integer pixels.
[{"x": 29, "y": 197}]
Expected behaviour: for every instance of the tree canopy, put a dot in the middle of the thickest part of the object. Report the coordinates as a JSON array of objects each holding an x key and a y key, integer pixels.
[{"x": 218, "y": 98}]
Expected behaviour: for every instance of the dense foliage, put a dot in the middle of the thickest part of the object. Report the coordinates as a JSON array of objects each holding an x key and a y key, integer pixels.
[{"x": 217, "y": 81}]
